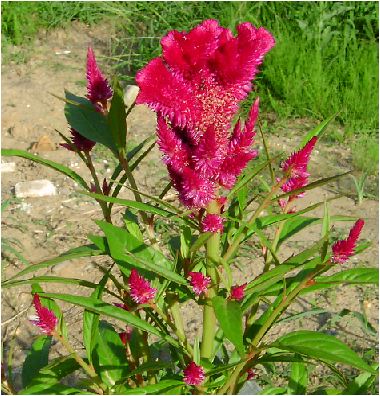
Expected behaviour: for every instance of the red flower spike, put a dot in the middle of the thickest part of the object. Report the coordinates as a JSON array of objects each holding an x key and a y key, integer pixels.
[
  {"x": 106, "y": 188},
  {"x": 195, "y": 88},
  {"x": 297, "y": 163},
  {"x": 199, "y": 282},
  {"x": 212, "y": 223},
  {"x": 46, "y": 319},
  {"x": 193, "y": 374},
  {"x": 126, "y": 335},
  {"x": 344, "y": 249},
  {"x": 237, "y": 292},
  {"x": 80, "y": 142},
  {"x": 98, "y": 89},
  {"x": 296, "y": 167},
  {"x": 140, "y": 290}
]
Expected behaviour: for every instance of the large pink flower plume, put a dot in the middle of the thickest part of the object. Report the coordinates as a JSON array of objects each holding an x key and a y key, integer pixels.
[{"x": 195, "y": 87}]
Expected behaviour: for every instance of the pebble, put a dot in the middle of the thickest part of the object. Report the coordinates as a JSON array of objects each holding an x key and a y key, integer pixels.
[
  {"x": 8, "y": 167},
  {"x": 130, "y": 94},
  {"x": 35, "y": 188}
]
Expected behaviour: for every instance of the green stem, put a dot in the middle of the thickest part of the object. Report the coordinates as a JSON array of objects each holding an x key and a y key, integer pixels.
[
  {"x": 239, "y": 238},
  {"x": 177, "y": 331},
  {"x": 213, "y": 259},
  {"x": 231, "y": 383},
  {"x": 103, "y": 205},
  {"x": 124, "y": 163},
  {"x": 87, "y": 368}
]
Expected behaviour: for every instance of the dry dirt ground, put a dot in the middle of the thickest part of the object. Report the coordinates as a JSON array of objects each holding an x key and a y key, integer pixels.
[{"x": 42, "y": 228}]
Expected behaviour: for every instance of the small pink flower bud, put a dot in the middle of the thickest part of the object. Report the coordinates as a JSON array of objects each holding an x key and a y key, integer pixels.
[
  {"x": 106, "y": 188},
  {"x": 193, "y": 374},
  {"x": 237, "y": 292},
  {"x": 46, "y": 319},
  {"x": 199, "y": 282},
  {"x": 126, "y": 335},
  {"x": 80, "y": 142},
  {"x": 250, "y": 374},
  {"x": 212, "y": 223},
  {"x": 344, "y": 249},
  {"x": 140, "y": 289}
]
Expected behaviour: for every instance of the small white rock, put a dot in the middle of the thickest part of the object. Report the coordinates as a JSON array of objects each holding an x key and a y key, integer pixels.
[
  {"x": 35, "y": 188},
  {"x": 8, "y": 167},
  {"x": 130, "y": 94}
]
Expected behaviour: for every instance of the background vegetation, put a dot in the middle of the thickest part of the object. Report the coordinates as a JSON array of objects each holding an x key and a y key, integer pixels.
[{"x": 325, "y": 60}]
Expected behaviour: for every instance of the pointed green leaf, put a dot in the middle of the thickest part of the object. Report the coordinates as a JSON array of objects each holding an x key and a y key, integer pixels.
[
  {"x": 82, "y": 251},
  {"x": 100, "y": 307},
  {"x": 322, "y": 347},
  {"x": 117, "y": 117},
  {"x": 37, "y": 358},
  {"x": 230, "y": 317},
  {"x": 317, "y": 131},
  {"x": 83, "y": 117},
  {"x": 51, "y": 164},
  {"x": 298, "y": 379},
  {"x": 108, "y": 355}
]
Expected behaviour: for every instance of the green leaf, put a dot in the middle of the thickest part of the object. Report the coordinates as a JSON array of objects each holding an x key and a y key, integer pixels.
[
  {"x": 108, "y": 355},
  {"x": 293, "y": 226},
  {"x": 83, "y": 117},
  {"x": 360, "y": 385},
  {"x": 317, "y": 131},
  {"x": 322, "y": 347},
  {"x": 312, "y": 185},
  {"x": 37, "y": 358},
  {"x": 200, "y": 241},
  {"x": 298, "y": 379},
  {"x": 126, "y": 248},
  {"x": 82, "y": 251},
  {"x": 49, "y": 279},
  {"x": 101, "y": 307},
  {"x": 51, "y": 164},
  {"x": 91, "y": 320},
  {"x": 132, "y": 204},
  {"x": 117, "y": 117},
  {"x": 272, "y": 390},
  {"x": 159, "y": 388},
  {"x": 354, "y": 276},
  {"x": 50, "y": 375},
  {"x": 230, "y": 317}
]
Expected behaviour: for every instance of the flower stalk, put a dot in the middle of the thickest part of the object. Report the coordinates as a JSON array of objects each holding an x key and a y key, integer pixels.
[{"x": 213, "y": 258}]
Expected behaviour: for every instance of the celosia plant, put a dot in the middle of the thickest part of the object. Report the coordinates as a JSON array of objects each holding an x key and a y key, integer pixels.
[{"x": 196, "y": 88}]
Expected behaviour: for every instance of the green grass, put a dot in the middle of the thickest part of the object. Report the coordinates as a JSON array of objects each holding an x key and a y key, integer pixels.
[{"x": 325, "y": 59}]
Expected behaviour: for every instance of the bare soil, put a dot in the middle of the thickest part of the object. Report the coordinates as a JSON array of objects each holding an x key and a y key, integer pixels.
[{"x": 42, "y": 228}]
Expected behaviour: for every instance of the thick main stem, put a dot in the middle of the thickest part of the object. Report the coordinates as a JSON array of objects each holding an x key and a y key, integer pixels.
[{"x": 213, "y": 259}]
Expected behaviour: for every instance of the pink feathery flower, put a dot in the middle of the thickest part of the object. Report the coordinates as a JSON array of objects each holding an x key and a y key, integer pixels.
[
  {"x": 212, "y": 223},
  {"x": 195, "y": 88},
  {"x": 344, "y": 249},
  {"x": 237, "y": 292},
  {"x": 46, "y": 319},
  {"x": 193, "y": 374},
  {"x": 98, "y": 89},
  {"x": 199, "y": 282},
  {"x": 296, "y": 168},
  {"x": 80, "y": 142},
  {"x": 140, "y": 289}
]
